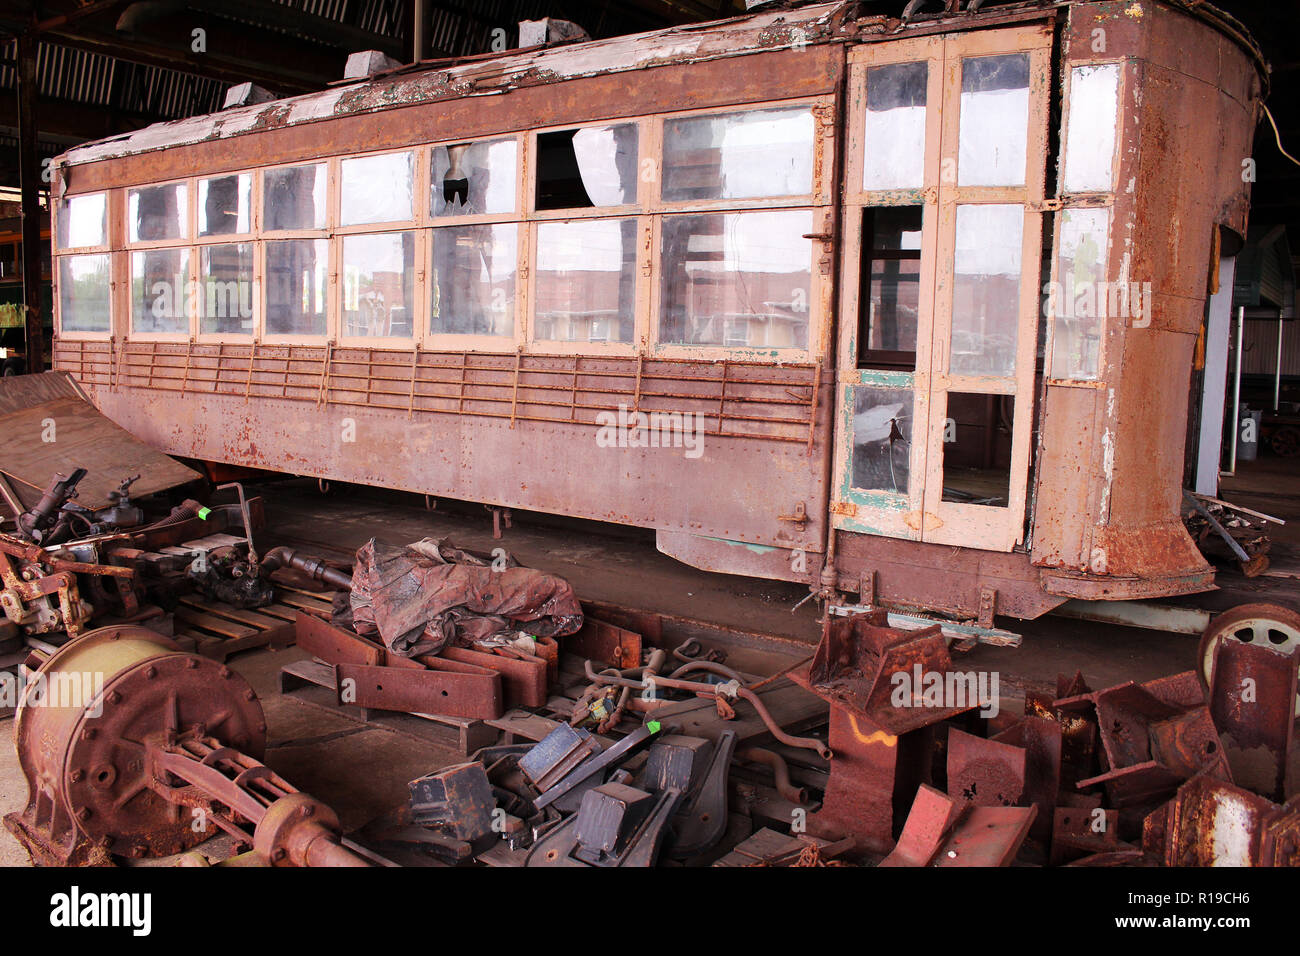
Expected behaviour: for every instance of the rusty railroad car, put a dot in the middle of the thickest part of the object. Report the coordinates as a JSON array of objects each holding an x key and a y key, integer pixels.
[{"x": 926, "y": 292}]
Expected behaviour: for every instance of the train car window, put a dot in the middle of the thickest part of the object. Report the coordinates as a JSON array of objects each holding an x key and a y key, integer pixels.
[
  {"x": 585, "y": 288},
  {"x": 589, "y": 168},
  {"x": 750, "y": 155},
  {"x": 226, "y": 289},
  {"x": 894, "y": 130},
  {"x": 158, "y": 212},
  {"x": 890, "y": 297},
  {"x": 297, "y": 281},
  {"x": 377, "y": 189},
  {"x": 977, "y": 449},
  {"x": 882, "y": 438},
  {"x": 293, "y": 197},
  {"x": 226, "y": 205},
  {"x": 473, "y": 179},
  {"x": 160, "y": 284},
  {"x": 379, "y": 285},
  {"x": 737, "y": 279},
  {"x": 1090, "y": 129},
  {"x": 986, "y": 289},
  {"x": 994, "y": 127},
  {"x": 83, "y": 221},
  {"x": 1079, "y": 300},
  {"x": 472, "y": 283},
  {"x": 84, "y": 299}
]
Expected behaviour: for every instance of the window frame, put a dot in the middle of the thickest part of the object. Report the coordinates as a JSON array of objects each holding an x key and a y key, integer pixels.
[
  {"x": 111, "y": 217},
  {"x": 186, "y": 242}
]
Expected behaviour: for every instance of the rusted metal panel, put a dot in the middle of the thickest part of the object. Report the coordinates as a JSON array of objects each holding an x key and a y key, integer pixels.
[
  {"x": 985, "y": 773},
  {"x": 1252, "y": 698},
  {"x": 524, "y": 681},
  {"x": 606, "y": 643},
  {"x": 1063, "y": 507},
  {"x": 50, "y": 428},
  {"x": 420, "y": 691},
  {"x": 932, "y": 815},
  {"x": 987, "y": 836},
  {"x": 1209, "y": 823}
]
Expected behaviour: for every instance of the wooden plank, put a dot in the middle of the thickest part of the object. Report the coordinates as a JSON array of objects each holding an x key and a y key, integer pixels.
[
  {"x": 252, "y": 617},
  {"x": 306, "y": 603},
  {"x": 281, "y": 611},
  {"x": 211, "y": 622}
]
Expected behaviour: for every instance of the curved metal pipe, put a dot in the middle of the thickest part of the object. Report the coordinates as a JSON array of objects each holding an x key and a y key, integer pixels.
[
  {"x": 720, "y": 669},
  {"x": 780, "y": 772},
  {"x": 712, "y": 690},
  {"x": 315, "y": 568}
]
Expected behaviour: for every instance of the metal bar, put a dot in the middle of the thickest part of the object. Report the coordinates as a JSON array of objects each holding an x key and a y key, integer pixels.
[
  {"x": 440, "y": 693},
  {"x": 1154, "y": 617},
  {"x": 1228, "y": 539}
]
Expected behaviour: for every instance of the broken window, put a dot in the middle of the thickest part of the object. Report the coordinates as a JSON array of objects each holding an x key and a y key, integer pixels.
[
  {"x": 750, "y": 155},
  {"x": 882, "y": 438},
  {"x": 977, "y": 435},
  {"x": 737, "y": 279},
  {"x": 1080, "y": 298},
  {"x": 890, "y": 297},
  {"x": 994, "y": 128},
  {"x": 160, "y": 285},
  {"x": 225, "y": 205},
  {"x": 473, "y": 179},
  {"x": 297, "y": 280},
  {"x": 84, "y": 293},
  {"x": 378, "y": 285},
  {"x": 986, "y": 289},
  {"x": 1090, "y": 134},
  {"x": 587, "y": 168},
  {"x": 226, "y": 289},
  {"x": 83, "y": 221},
  {"x": 158, "y": 212},
  {"x": 586, "y": 281},
  {"x": 894, "y": 147},
  {"x": 377, "y": 189},
  {"x": 293, "y": 197},
  {"x": 472, "y": 285}
]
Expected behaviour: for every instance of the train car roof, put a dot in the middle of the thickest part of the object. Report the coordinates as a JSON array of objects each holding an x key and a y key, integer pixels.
[{"x": 497, "y": 73}]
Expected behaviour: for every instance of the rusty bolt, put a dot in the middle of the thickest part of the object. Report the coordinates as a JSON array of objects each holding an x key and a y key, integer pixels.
[
  {"x": 277, "y": 855},
  {"x": 250, "y": 695},
  {"x": 76, "y": 776},
  {"x": 306, "y": 810},
  {"x": 150, "y": 672},
  {"x": 90, "y": 733},
  {"x": 191, "y": 662},
  {"x": 83, "y": 813},
  {"x": 224, "y": 672},
  {"x": 113, "y": 697}
]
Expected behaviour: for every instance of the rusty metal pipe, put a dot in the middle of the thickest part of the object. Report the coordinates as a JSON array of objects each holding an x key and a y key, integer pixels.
[
  {"x": 780, "y": 772},
  {"x": 315, "y": 568},
  {"x": 713, "y": 691},
  {"x": 720, "y": 669}
]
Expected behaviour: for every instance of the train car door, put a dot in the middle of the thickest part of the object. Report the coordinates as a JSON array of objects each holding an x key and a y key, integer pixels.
[{"x": 940, "y": 293}]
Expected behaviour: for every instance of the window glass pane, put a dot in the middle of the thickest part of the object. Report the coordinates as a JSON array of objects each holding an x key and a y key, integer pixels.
[
  {"x": 587, "y": 168},
  {"x": 294, "y": 197},
  {"x": 882, "y": 438},
  {"x": 475, "y": 178},
  {"x": 84, "y": 293},
  {"x": 157, "y": 212},
  {"x": 977, "y": 448},
  {"x": 226, "y": 288},
  {"x": 586, "y": 281},
  {"x": 1090, "y": 138},
  {"x": 160, "y": 282},
  {"x": 890, "y": 299},
  {"x": 297, "y": 281},
  {"x": 377, "y": 188},
  {"x": 986, "y": 290},
  {"x": 379, "y": 284},
  {"x": 225, "y": 205},
  {"x": 82, "y": 221},
  {"x": 1080, "y": 297},
  {"x": 994, "y": 125},
  {"x": 739, "y": 155},
  {"x": 737, "y": 279},
  {"x": 894, "y": 155},
  {"x": 473, "y": 280}
]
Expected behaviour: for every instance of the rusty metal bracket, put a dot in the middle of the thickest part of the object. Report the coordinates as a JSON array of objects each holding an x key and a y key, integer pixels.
[{"x": 421, "y": 691}]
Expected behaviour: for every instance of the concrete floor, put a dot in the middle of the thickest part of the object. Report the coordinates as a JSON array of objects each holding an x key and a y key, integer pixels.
[{"x": 362, "y": 771}]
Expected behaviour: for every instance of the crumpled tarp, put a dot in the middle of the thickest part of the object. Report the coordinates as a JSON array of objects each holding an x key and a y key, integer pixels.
[{"x": 419, "y": 598}]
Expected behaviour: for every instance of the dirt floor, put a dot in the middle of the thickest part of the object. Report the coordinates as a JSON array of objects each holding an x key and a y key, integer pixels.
[{"x": 362, "y": 770}]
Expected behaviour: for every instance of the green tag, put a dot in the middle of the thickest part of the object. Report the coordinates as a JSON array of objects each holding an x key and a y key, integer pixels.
[
  {"x": 653, "y": 726},
  {"x": 204, "y": 512}
]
